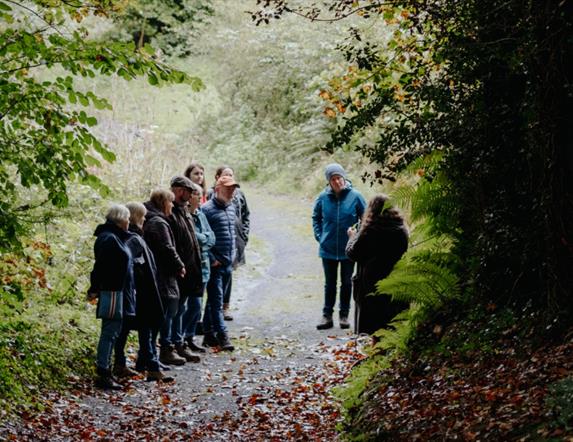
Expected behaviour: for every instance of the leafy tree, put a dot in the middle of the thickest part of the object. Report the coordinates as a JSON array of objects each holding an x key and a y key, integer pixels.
[
  {"x": 45, "y": 136},
  {"x": 488, "y": 83},
  {"x": 167, "y": 24}
]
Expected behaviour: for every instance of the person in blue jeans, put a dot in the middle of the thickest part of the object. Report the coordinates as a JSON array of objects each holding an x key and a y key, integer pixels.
[
  {"x": 206, "y": 240},
  {"x": 112, "y": 271},
  {"x": 220, "y": 214},
  {"x": 337, "y": 208}
]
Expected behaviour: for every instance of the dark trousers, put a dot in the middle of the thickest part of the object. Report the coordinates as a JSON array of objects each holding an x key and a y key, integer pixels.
[
  {"x": 330, "y": 267},
  {"x": 127, "y": 325}
]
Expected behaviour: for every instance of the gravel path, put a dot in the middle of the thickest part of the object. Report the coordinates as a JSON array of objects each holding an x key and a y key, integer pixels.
[{"x": 278, "y": 376}]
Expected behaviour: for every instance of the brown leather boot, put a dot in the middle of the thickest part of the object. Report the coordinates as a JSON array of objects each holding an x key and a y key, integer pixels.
[
  {"x": 184, "y": 351},
  {"x": 157, "y": 376},
  {"x": 169, "y": 356}
]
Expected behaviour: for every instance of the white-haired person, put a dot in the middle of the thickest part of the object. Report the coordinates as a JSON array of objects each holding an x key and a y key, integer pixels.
[{"x": 111, "y": 281}]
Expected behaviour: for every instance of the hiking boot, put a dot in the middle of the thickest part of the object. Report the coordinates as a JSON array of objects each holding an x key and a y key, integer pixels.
[
  {"x": 194, "y": 347},
  {"x": 121, "y": 371},
  {"x": 225, "y": 342},
  {"x": 157, "y": 376},
  {"x": 226, "y": 315},
  {"x": 210, "y": 340},
  {"x": 326, "y": 323},
  {"x": 344, "y": 322},
  {"x": 105, "y": 380},
  {"x": 184, "y": 351},
  {"x": 169, "y": 356}
]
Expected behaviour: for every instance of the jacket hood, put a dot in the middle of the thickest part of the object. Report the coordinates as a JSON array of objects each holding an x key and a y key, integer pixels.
[
  {"x": 108, "y": 226},
  {"x": 347, "y": 188},
  {"x": 153, "y": 212}
]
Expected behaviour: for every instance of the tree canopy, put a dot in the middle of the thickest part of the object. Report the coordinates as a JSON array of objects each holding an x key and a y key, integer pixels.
[
  {"x": 488, "y": 84},
  {"x": 45, "y": 137}
]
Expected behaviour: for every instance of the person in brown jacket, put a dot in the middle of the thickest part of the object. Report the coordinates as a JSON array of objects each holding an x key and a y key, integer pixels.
[
  {"x": 376, "y": 247},
  {"x": 189, "y": 251}
]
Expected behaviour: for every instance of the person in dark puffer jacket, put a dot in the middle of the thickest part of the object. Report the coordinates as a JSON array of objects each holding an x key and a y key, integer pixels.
[{"x": 220, "y": 214}]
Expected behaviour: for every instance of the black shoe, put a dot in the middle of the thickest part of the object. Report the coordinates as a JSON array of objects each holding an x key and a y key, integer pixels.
[
  {"x": 325, "y": 324},
  {"x": 344, "y": 322},
  {"x": 210, "y": 340},
  {"x": 225, "y": 342},
  {"x": 105, "y": 380},
  {"x": 194, "y": 347}
]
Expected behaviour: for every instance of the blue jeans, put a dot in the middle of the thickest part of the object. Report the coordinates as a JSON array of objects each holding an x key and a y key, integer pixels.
[
  {"x": 330, "y": 267},
  {"x": 213, "y": 320},
  {"x": 110, "y": 329},
  {"x": 166, "y": 337},
  {"x": 147, "y": 354},
  {"x": 192, "y": 315},
  {"x": 127, "y": 325}
]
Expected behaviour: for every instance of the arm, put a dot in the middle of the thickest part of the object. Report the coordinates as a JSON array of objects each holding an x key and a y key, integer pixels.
[
  {"x": 161, "y": 243},
  {"x": 206, "y": 237},
  {"x": 317, "y": 219},
  {"x": 360, "y": 246},
  {"x": 245, "y": 219}
]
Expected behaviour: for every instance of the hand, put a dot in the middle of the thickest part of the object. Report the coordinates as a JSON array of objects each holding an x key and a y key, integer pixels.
[
  {"x": 216, "y": 264},
  {"x": 351, "y": 232},
  {"x": 182, "y": 272}
]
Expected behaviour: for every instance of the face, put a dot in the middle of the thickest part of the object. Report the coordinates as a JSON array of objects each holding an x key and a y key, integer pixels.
[
  {"x": 197, "y": 176},
  {"x": 140, "y": 220},
  {"x": 168, "y": 207},
  {"x": 124, "y": 224},
  {"x": 337, "y": 183},
  {"x": 195, "y": 200},
  {"x": 182, "y": 194},
  {"x": 225, "y": 192},
  {"x": 228, "y": 172}
]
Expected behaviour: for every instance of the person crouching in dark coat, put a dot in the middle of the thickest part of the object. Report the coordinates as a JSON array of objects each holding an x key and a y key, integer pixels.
[
  {"x": 159, "y": 237},
  {"x": 376, "y": 247},
  {"x": 112, "y": 278}
]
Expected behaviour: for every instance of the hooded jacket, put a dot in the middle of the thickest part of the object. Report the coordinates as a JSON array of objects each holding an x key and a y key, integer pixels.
[
  {"x": 332, "y": 215},
  {"x": 113, "y": 266},
  {"x": 206, "y": 239},
  {"x": 159, "y": 237}
]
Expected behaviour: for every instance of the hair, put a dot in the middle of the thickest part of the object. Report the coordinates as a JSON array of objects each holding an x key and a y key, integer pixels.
[
  {"x": 136, "y": 212},
  {"x": 159, "y": 197},
  {"x": 117, "y": 214},
  {"x": 375, "y": 210},
  {"x": 196, "y": 165},
  {"x": 220, "y": 170},
  {"x": 197, "y": 188}
]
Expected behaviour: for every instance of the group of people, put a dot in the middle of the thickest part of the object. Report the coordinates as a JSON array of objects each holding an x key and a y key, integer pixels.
[
  {"x": 154, "y": 261},
  {"x": 348, "y": 232}
]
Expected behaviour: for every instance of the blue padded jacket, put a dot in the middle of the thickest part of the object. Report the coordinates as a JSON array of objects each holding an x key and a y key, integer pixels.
[
  {"x": 221, "y": 218},
  {"x": 331, "y": 218}
]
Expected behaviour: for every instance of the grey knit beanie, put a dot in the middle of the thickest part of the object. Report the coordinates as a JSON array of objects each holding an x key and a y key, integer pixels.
[{"x": 334, "y": 169}]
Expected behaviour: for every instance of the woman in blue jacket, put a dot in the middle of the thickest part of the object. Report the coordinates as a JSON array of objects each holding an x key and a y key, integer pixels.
[{"x": 337, "y": 208}]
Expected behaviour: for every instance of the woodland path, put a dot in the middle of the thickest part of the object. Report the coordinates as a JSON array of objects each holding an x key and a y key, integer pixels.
[{"x": 274, "y": 386}]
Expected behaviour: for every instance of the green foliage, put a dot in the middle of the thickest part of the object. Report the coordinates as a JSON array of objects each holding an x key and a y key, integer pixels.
[
  {"x": 488, "y": 85},
  {"x": 170, "y": 25},
  {"x": 560, "y": 401},
  {"x": 45, "y": 136}
]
